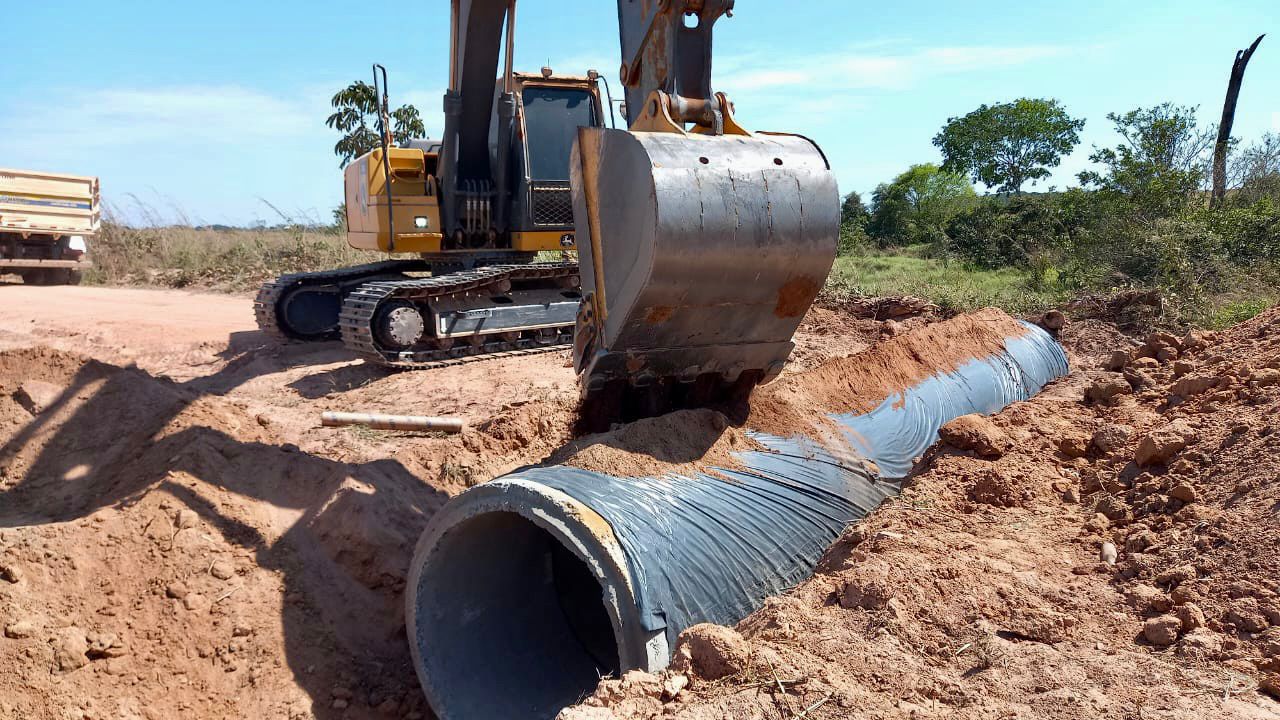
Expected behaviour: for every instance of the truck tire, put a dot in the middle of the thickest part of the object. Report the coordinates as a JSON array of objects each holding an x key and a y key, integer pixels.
[{"x": 51, "y": 276}]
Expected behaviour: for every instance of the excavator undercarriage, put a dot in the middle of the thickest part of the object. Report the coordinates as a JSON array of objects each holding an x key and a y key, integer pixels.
[
  {"x": 399, "y": 314},
  {"x": 434, "y": 321}
]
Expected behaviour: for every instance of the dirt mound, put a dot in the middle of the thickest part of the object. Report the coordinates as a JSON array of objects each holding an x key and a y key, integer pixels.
[
  {"x": 690, "y": 441},
  {"x": 686, "y": 442},
  {"x": 827, "y": 333},
  {"x": 1063, "y": 579},
  {"x": 107, "y": 433},
  {"x": 861, "y": 382},
  {"x": 171, "y": 557}
]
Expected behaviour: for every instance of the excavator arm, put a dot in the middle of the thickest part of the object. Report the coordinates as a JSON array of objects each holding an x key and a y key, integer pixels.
[
  {"x": 477, "y": 39},
  {"x": 707, "y": 242},
  {"x": 666, "y": 49}
]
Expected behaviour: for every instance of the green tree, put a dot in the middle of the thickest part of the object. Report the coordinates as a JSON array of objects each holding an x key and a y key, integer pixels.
[
  {"x": 1004, "y": 146},
  {"x": 917, "y": 205},
  {"x": 853, "y": 225},
  {"x": 1161, "y": 163},
  {"x": 853, "y": 213},
  {"x": 356, "y": 117}
]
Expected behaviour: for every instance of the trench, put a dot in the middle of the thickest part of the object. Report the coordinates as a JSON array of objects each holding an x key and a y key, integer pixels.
[{"x": 526, "y": 590}]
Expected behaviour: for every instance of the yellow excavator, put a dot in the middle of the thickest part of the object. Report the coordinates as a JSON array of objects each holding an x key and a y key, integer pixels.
[{"x": 702, "y": 244}]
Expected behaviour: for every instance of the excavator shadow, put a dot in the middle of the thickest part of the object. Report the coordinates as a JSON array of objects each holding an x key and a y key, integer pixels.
[
  {"x": 338, "y": 380},
  {"x": 337, "y": 535},
  {"x": 252, "y": 354}
]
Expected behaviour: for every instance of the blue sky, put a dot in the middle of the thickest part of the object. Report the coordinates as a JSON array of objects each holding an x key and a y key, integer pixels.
[{"x": 199, "y": 112}]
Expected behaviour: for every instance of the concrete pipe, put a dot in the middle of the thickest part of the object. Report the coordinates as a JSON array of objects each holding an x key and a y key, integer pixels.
[{"x": 524, "y": 591}]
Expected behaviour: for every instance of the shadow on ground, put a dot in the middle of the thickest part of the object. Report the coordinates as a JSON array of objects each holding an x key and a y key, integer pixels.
[{"x": 116, "y": 434}]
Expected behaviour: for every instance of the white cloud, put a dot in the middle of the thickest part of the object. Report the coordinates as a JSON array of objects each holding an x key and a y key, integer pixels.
[
  {"x": 878, "y": 67},
  {"x": 964, "y": 59},
  {"x": 163, "y": 153},
  {"x": 219, "y": 115},
  {"x": 760, "y": 79}
]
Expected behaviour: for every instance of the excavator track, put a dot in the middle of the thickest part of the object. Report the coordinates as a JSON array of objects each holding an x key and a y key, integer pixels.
[
  {"x": 471, "y": 294},
  {"x": 271, "y": 298}
]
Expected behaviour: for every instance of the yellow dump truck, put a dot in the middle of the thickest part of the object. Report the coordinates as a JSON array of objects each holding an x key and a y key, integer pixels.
[{"x": 47, "y": 221}]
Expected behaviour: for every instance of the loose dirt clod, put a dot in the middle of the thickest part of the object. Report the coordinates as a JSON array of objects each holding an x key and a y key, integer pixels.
[
  {"x": 1271, "y": 685},
  {"x": 1159, "y": 446},
  {"x": 1162, "y": 630},
  {"x": 976, "y": 433},
  {"x": 70, "y": 650},
  {"x": 710, "y": 651},
  {"x": 1107, "y": 553},
  {"x": 11, "y": 573},
  {"x": 19, "y": 630}
]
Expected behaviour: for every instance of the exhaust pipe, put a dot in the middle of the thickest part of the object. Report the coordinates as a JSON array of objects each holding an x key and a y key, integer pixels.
[{"x": 526, "y": 590}]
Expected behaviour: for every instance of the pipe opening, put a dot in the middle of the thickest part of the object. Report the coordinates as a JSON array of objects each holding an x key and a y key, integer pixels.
[{"x": 510, "y": 622}]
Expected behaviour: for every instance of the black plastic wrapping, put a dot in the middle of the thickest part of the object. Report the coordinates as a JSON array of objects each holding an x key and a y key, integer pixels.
[{"x": 711, "y": 548}]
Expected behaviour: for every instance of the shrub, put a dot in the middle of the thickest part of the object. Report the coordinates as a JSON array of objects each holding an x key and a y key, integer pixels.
[
  {"x": 1016, "y": 232},
  {"x": 853, "y": 240},
  {"x": 1248, "y": 233}
]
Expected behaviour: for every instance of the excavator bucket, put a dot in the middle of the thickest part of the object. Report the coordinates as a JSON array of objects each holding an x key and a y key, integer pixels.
[{"x": 704, "y": 253}]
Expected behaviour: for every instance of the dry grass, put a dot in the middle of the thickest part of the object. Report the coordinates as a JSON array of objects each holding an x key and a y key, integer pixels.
[{"x": 221, "y": 259}]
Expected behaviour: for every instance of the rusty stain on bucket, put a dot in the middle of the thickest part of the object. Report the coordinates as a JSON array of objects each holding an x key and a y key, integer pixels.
[
  {"x": 659, "y": 314},
  {"x": 795, "y": 296}
]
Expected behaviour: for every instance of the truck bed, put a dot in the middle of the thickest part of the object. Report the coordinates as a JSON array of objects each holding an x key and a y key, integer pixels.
[{"x": 38, "y": 203}]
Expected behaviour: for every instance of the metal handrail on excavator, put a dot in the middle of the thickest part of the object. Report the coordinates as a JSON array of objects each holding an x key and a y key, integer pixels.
[{"x": 380, "y": 96}]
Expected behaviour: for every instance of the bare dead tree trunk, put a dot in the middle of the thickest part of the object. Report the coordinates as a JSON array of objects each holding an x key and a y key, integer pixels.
[{"x": 1228, "y": 119}]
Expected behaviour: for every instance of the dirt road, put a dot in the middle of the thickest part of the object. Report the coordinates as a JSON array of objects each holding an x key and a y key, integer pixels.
[
  {"x": 211, "y": 339},
  {"x": 119, "y": 324}
]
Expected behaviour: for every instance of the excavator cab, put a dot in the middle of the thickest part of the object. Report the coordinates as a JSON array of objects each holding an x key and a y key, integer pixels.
[
  {"x": 547, "y": 109},
  {"x": 550, "y": 110}
]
